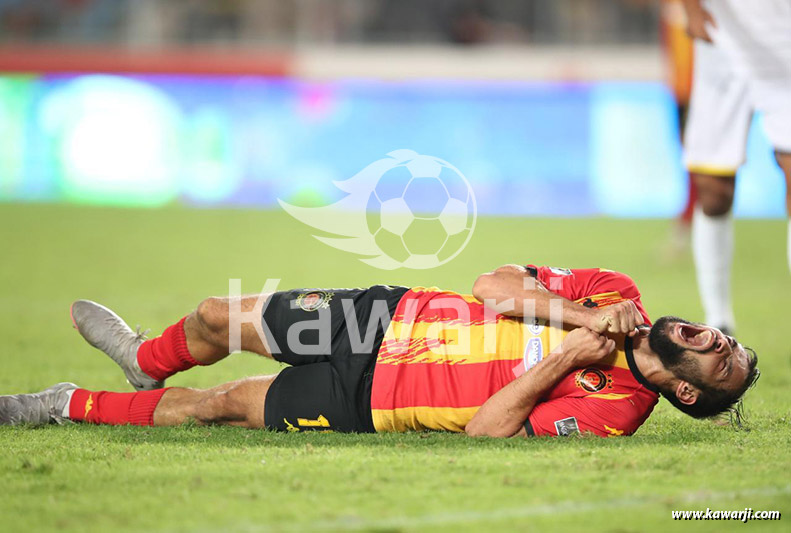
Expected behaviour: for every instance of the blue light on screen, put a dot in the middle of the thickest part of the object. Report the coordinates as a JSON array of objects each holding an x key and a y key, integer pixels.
[{"x": 527, "y": 148}]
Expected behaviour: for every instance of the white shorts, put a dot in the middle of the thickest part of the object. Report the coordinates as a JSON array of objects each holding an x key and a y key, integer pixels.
[{"x": 747, "y": 69}]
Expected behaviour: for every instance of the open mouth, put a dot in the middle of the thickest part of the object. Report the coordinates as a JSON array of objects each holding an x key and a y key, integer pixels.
[{"x": 695, "y": 336}]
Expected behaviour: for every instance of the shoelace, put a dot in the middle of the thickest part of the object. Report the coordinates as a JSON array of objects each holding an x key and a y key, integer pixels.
[
  {"x": 58, "y": 419},
  {"x": 120, "y": 329},
  {"x": 141, "y": 336}
]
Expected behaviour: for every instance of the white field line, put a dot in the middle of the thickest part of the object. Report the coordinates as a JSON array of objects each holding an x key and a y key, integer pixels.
[
  {"x": 495, "y": 515},
  {"x": 468, "y": 517}
]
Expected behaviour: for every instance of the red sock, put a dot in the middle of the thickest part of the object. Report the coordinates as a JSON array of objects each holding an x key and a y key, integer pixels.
[
  {"x": 115, "y": 408},
  {"x": 166, "y": 355}
]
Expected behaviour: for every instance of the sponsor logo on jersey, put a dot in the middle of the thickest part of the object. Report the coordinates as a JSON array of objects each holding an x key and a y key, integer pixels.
[
  {"x": 567, "y": 426},
  {"x": 593, "y": 379},
  {"x": 535, "y": 326},
  {"x": 612, "y": 431},
  {"x": 560, "y": 271},
  {"x": 311, "y": 301},
  {"x": 534, "y": 352}
]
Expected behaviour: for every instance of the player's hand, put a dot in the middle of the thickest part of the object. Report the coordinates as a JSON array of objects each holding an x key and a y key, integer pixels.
[
  {"x": 584, "y": 347},
  {"x": 620, "y": 318},
  {"x": 697, "y": 19}
]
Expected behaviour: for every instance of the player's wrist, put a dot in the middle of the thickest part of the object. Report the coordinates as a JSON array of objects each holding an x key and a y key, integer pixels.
[
  {"x": 588, "y": 317},
  {"x": 564, "y": 359}
]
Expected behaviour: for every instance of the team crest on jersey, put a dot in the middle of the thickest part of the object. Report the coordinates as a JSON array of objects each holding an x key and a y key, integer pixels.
[
  {"x": 311, "y": 301},
  {"x": 535, "y": 326},
  {"x": 534, "y": 352},
  {"x": 593, "y": 380}
]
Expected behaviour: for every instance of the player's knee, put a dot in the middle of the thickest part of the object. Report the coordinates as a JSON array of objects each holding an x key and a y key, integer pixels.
[
  {"x": 715, "y": 193},
  {"x": 715, "y": 204},
  {"x": 212, "y": 315}
]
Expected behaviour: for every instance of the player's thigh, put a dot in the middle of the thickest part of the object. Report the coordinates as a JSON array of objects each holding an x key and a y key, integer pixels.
[
  {"x": 316, "y": 397},
  {"x": 245, "y": 321},
  {"x": 720, "y": 112}
]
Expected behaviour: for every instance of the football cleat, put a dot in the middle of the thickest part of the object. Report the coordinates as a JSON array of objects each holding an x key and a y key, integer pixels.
[
  {"x": 106, "y": 331},
  {"x": 40, "y": 408}
]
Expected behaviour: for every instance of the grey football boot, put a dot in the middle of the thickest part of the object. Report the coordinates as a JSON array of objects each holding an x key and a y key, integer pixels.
[
  {"x": 39, "y": 408},
  {"x": 106, "y": 331}
]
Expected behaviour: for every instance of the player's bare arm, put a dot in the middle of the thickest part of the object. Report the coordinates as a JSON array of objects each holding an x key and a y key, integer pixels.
[
  {"x": 504, "y": 414},
  {"x": 514, "y": 283},
  {"x": 698, "y": 18}
]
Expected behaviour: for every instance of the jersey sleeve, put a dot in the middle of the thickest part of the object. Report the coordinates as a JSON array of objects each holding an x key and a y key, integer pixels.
[
  {"x": 580, "y": 283},
  {"x": 602, "y": 417}
]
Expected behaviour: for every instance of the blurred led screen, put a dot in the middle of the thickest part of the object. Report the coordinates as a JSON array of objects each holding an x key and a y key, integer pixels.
[{"x": 527, "y": 148}]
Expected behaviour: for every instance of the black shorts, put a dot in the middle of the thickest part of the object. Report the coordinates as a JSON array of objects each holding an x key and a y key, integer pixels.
[{"x": 331, "y": 338}]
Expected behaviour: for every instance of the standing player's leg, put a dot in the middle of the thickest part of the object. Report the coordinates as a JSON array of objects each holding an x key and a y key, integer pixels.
[
  {"x": 776, "y": 106},
  {"x": 238, "y": 403},
  {"x": 712, "y": 245},
  {"x": 784, "y": 160},
  {"x": 201, "y": 338},
  {"x": 714, "y": 143}
]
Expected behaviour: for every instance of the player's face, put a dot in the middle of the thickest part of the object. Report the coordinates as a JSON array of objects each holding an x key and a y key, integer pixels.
[{"x": 722, "y": 362}]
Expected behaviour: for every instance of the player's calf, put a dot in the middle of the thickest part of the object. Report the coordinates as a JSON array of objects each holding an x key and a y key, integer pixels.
[{"x": 238, "y": 403}]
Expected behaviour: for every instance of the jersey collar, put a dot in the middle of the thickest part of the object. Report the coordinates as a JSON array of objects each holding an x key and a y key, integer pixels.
[{"x": 627, "y": 346}]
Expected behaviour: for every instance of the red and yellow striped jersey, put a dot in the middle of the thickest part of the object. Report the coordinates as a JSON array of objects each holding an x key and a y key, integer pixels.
[{"x": 444, "y": 354}]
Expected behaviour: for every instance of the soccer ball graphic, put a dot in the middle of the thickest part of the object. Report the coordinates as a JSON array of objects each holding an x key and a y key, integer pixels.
[
  {"x": 405, "y": 210},
  {"x": 421, "y": 212}
]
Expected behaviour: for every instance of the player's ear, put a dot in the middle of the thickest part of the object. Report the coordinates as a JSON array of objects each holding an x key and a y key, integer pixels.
[{"x": 686, "y": 393}]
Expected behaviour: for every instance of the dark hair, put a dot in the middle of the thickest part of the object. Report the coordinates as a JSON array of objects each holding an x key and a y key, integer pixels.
[{"x": 713, "y": 401}]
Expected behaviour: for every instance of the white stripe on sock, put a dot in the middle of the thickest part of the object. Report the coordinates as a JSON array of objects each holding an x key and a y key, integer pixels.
[{"x": 65, "y": 413}]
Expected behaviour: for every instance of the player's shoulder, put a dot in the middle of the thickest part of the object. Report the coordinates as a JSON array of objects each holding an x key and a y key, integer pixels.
[
  {"x": 588, "y": 280},
  {"x": 615, "y": 277},
  {"x": 605, "y": 415}
]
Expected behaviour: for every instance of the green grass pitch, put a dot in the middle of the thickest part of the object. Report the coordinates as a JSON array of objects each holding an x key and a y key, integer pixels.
[{"x": 154, "y": 266}]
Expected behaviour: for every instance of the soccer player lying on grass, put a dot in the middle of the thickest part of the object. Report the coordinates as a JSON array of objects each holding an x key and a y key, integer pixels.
[{"x": 398, "y": 359}]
